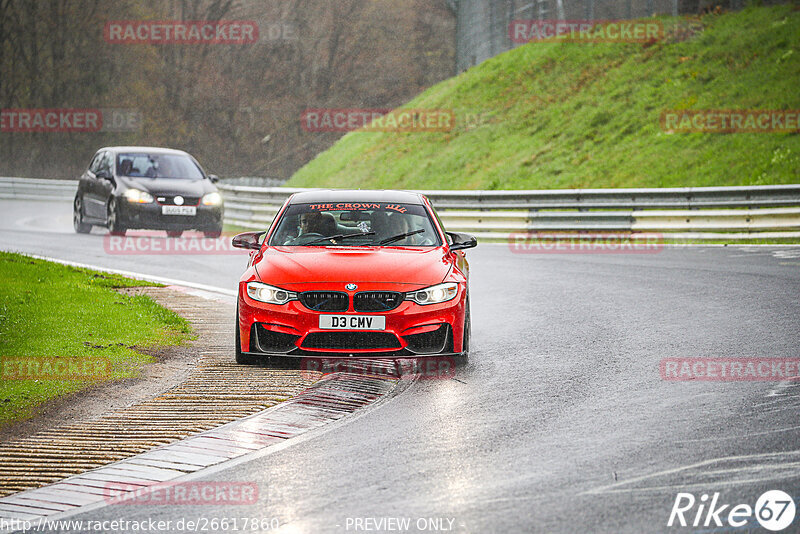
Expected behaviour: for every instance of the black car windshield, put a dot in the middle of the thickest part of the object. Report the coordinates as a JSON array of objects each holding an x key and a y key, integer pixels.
[
  {"x": 174, "y": 166},
  {"x": 355, "y": 224}
]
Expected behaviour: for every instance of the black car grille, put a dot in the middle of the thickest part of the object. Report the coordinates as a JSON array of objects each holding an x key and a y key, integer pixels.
[
  {"x": 269, "y": 341},
  {"x": 428, "y": 342},
  {"x": 325, "y": 301},
  {"x": 169, "y": 200},
  {"x": 351, "y": 340},
  {"x": 377, "y": 301}
]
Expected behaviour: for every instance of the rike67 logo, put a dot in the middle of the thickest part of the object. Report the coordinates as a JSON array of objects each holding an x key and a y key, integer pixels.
[{"x": 774, "y": 510}]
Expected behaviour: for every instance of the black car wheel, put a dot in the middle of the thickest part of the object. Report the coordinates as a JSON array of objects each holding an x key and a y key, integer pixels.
[
  {"x": 77, "y": 217},
  {"x": 464, "y": 356},
  {"x": 215, "y": 234},
  {"x": 115, "y": 226},
  {"x": 241, "y": 358},
  {"x": 174, "y": 233}
]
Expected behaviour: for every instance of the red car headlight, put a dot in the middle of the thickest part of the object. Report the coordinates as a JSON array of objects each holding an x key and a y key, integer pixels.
[
  {"x": 434, "y": 294},
  {"x": 269, "y": 294}
]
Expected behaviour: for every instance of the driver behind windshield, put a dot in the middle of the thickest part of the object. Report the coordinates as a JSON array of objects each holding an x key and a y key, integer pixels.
[
  {"x": 355, "y": 224},
  {"x": 322, "y": 224}
]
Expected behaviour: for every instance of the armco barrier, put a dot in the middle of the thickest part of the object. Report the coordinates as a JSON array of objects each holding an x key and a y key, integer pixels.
[
  {"x": 37, "y": 189},
  {"x": 702, "y": 213},
  {"x": 740, "y": 213}
]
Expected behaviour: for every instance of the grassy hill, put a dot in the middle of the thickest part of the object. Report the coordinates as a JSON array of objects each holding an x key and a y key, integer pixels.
[{"x": 568, "y": 115}]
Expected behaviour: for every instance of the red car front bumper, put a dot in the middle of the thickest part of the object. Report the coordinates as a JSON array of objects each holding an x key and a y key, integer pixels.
[{"x": 293, "y": 330}]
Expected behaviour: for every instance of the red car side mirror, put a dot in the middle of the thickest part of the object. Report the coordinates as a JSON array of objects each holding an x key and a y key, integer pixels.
[
  {"x": 248, "y": 240},
  {"x": 462, "y": 241}
]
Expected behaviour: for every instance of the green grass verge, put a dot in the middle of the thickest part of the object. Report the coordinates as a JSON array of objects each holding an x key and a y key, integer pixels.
[
  {"x": 56, "y": 312},
  {"x": 568, "y": 115}
]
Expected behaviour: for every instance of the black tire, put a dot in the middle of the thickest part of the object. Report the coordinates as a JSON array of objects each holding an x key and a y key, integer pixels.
[
  {"x": 174, "y": 233},
  {"x": 214, "y": 234},
  {"x": 115, "y": 226},
  {"x": 463, "y": 357},
  {"x": 241, "y": 358},
  {"x": 77, "y": 217}
]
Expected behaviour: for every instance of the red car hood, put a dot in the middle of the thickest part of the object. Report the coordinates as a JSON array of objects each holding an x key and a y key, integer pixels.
[{"x": 293, "y": 268}]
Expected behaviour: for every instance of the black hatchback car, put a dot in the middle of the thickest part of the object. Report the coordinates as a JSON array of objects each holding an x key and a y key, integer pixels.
[{"x": 148, "y": 188}]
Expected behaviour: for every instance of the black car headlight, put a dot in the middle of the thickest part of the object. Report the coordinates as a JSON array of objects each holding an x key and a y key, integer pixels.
[
  {"x": 269, "y": 294},
  {"x": 434, "y": 294},
  {"x": 136, "y": 196},
  {"x": 212, "y": 199}
]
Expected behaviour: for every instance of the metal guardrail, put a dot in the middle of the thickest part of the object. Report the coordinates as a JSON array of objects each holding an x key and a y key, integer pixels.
[
  {"x": 740, "y": 212},
  {"x": 737, "y": 213},
  {"x": 256, "y": 181},
  {"x": 37, "y": 189}
]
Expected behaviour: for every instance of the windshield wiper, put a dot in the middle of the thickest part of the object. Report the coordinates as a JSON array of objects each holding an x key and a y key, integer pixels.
[
  {"x": 399, "y": 237},
  {"x": 339, "y": 236}
]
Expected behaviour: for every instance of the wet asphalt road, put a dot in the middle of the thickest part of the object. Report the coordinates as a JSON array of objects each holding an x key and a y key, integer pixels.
[{"x": 560, "y": 422}]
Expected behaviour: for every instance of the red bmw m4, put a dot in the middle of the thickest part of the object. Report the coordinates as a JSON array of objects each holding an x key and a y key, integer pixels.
[{"x": 354, "y": 273}]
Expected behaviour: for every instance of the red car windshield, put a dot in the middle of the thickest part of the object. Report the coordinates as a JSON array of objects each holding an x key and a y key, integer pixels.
[{"x": 355, "y": 224}]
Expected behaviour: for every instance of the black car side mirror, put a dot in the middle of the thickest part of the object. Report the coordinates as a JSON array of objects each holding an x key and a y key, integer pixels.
[
  {"x": 462, "y": 241},
  {"x": 104, "y": 174},
  {"x": 248, "y": 240},
  {"x": 214, "y": 178}
]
